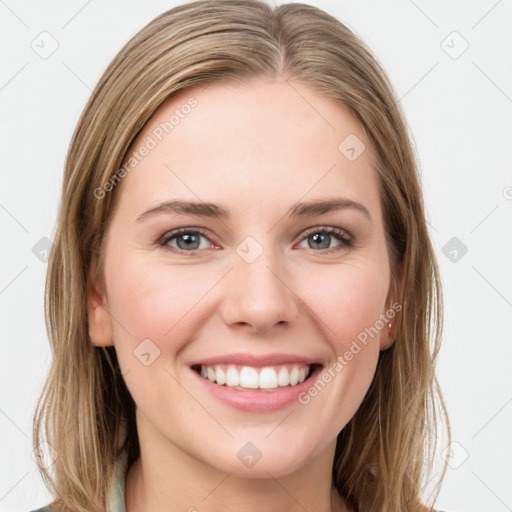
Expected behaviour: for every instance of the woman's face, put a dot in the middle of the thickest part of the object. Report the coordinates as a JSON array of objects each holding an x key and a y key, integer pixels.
[{"x": 261, "y": 279}]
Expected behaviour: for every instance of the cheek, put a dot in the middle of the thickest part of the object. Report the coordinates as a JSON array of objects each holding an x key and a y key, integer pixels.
[
  {"x": 347, "y": 304},
  {"x": 348, "y": 301},
  {"x": 155, "y": 301}
]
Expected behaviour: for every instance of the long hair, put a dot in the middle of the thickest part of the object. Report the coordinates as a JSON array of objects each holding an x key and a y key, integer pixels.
[{"x": 85, "y": 412}]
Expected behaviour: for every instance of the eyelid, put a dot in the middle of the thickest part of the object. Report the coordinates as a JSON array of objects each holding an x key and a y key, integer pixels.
[{"x": 332, "y": 230}]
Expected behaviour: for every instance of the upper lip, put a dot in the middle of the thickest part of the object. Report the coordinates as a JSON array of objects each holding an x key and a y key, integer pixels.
[{"x": 257, "y": 360}]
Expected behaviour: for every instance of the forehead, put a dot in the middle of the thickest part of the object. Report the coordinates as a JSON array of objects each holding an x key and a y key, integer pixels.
[{"x": 263, "y": 142}]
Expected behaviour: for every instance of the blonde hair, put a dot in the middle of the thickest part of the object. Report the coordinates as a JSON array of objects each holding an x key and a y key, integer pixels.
[{"x": 85, "y": 411}]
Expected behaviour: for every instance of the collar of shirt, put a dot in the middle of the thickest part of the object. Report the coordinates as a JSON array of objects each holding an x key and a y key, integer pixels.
[{"x": 116, "y": 500}]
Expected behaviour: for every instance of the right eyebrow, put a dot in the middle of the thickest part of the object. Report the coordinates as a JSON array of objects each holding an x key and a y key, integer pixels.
[{"x": 187, "y": 207}]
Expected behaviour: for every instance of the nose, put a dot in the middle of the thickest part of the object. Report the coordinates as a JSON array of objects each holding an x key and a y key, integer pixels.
[{"x": 259, "y": 295}]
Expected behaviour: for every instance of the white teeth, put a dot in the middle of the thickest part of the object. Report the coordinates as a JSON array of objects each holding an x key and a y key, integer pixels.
[
  {"x": 220, "y": 376},
  {"x": 249, "y": 377},
  {"x": 268, "y": 377},
  {"x": 232, "y": 377},
  {"x": 283, "y": 379}
]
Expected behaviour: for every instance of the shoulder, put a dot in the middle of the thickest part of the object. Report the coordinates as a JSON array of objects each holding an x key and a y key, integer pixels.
[{"x": 46, "y": 508}]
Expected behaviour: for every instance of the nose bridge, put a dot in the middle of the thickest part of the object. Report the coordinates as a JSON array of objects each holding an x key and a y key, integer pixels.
[{"x": 258, "y": 293}]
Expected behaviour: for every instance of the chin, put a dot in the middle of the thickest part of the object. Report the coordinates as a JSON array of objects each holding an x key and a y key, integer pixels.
[{"x": 248, "y": 461}]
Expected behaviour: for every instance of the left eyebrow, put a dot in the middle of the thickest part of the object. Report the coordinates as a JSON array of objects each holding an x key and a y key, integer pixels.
[{"x": 304, "y": 209}]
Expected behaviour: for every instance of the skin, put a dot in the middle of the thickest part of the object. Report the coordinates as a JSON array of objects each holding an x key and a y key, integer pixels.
[{"x": 254, "y": 149}]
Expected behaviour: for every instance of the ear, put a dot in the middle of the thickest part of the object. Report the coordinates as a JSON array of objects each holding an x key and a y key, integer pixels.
[
  {"x": 100, "y": 326},
  {"x": 392, "y": 308}
]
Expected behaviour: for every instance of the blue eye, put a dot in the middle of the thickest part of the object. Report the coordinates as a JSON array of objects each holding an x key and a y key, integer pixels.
[
  {"x": 188, "y": 240},
  {"x": 321, "y": 238}
]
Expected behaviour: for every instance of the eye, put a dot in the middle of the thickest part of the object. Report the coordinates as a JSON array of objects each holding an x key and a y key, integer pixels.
[
  {"x": 187, "y": 240},
  {"x": 321, "y": 238}
]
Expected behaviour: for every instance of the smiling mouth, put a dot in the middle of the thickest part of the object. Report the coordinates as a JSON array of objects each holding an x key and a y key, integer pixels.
[{"x": 266, "y": 378}]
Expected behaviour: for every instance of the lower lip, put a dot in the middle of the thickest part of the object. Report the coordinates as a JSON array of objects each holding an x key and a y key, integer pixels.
[{"x": 256, "y": 400}]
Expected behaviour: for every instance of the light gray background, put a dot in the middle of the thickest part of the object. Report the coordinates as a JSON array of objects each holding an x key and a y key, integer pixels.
[{"x": 459, "y": 109}]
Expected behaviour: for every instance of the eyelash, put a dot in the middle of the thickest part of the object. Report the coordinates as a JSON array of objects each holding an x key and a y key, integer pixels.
[{"x": 346, "y": 240}]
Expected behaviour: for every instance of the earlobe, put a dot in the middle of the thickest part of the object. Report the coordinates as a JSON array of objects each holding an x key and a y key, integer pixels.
[
  {"x": 99, "y": 324},
  {"x": 386, "y": 337}
]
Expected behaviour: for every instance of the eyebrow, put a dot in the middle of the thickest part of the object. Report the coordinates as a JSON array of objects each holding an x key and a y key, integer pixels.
[{"x": 300, "y": 209}]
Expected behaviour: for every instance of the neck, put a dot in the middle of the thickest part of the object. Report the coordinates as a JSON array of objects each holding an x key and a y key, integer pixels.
[
  {"x": 226, "y": 494},
  {"x": 166, "y": 478}
]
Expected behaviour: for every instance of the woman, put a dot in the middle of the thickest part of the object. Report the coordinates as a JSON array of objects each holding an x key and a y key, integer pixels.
[{"x": 242, "y": 298}]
